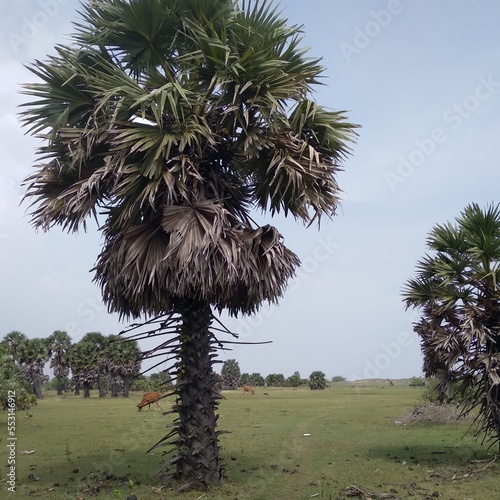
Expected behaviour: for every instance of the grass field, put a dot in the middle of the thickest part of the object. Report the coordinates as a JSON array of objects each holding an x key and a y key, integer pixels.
[{"x": 290, "y": 444}]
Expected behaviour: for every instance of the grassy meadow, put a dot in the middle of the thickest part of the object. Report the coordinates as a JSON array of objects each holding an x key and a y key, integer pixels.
[{"x": 342, "y": 442}]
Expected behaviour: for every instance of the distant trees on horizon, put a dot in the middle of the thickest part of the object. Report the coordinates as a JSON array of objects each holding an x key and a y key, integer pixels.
[
  {"x": 106, "y": 363},
  {"x": 232, "y": 378}
]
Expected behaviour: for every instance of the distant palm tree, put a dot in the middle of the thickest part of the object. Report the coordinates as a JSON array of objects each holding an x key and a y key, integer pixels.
[
  {"x": 33, "y": 354},
  {"x": 124, "y": 363},
  {"x": 13, "y": 344},
  {"x": 59, "y": 344},
  {"x": 231, "y": 374},
  {"x": 173, "y": 120},
  {"x": 457, "y": 289},
  {"x": 88, "y": 364}
]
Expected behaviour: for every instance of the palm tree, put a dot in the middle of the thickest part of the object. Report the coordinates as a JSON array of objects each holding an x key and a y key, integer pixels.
[
  {"x": 457, "y": 289},
  {"x": 13, "y": 342},
  {"x": 59, "y": 345},
  {"x": 33, "y": 355},
  {"x": 173, "y": 119},
  {"x": 231, "y": 374},
  {"x": 124, "y": 363},
  {"x": 88, "y": 364}
]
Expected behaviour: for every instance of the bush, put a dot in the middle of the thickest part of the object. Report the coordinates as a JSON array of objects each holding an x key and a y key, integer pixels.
[
  {"x": 140, "y": 384},
  {"x": 317, "y": 381},
  {"x": 275, "y": 380},
  {"x": 53, "y": 383},
  {"x": 417, "y": 382},
  {"x": 293, "y": 380},
  {"x": 257, "y": 380},
  {"x": 432, "y": 393},
  {"x": 12, "y": 382},
  {"x": 161, "y": 382},
  {"x": 432, "y": 413},
  {"x": 338, "y": 378},
  {"x": 23, "y": 398}
]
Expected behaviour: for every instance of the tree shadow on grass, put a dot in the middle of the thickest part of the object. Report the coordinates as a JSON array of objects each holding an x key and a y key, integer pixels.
[
  {"x": 433, "y": 454},
  {"x": 87, "y": 474}
]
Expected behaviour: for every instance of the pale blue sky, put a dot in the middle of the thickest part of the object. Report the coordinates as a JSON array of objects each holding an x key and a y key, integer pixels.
[{"x": 423, "y": 80}]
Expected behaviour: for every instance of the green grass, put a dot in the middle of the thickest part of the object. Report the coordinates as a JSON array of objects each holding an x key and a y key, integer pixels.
[{"x": 97, "y": 446}]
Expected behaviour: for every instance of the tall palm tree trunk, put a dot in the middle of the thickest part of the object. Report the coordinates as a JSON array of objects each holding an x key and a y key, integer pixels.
[
  {"x": 198, "y": 464},
  {"x": 86, "y": 389},
  {"x": 126, "y": 387},
  {"x": 60, "y": 385}
]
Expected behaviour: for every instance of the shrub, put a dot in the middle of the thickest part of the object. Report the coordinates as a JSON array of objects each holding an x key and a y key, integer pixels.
[
  {"x": 256, "y": 379},
  {"x": 317, "y": 380},
  {"x": 432, "y": 393},
  {"x": 338, "y": 378},
  {"x": 275, "y": 380},
  {"x": 23, "y": 398},
  {"x": 417, "y": 382},
  {"x": 293, "y": 380},
  {"x": 12, "y": 381},
  {"x": 432, "y": 413}
]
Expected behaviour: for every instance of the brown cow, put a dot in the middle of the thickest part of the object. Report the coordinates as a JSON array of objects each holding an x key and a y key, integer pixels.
[
  {"x": 148, "y": 398},
  {"x": 247, "y": 389}
]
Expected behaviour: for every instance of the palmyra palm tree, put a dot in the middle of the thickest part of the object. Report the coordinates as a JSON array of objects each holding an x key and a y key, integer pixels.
[
  {"x": 124, "y": 363},
  {"x": 59, "y": 344},
  {"x": 457, "y": 288},
  {"x": 88, "y": 363},
  {"x": 170, "y": 121},
  {"x": 34, "y": 353},
  {"x": 13, "y": 343}
]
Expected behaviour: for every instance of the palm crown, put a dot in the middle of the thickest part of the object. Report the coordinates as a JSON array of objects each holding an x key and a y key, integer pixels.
[
  {"x": 170, "y": 121},
  {"x": 174, "y": 119},
  {"x": 457, "y": 287}
]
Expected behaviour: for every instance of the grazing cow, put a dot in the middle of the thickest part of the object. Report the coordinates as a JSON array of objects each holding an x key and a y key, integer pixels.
[
  {"x": 148, "y": 398},
  {"x": 248, "y": 389}
]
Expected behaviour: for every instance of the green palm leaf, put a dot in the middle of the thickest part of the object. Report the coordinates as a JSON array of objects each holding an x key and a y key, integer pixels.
[
  {"x": 170, "y": 121},
  {"x": 457, "y": 288}
]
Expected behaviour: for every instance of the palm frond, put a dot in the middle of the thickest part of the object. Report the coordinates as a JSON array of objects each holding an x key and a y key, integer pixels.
[
  {"x": 173, "y": 119},
  {"x": 456, "y": 287}
]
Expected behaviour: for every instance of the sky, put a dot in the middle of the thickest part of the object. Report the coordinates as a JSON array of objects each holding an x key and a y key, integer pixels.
[{"x": 421, "y": 78}]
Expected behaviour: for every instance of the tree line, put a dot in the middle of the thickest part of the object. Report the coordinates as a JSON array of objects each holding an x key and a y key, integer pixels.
[
  {"x": 105, "y": 363},
  {"x": 232, "y": 378}
]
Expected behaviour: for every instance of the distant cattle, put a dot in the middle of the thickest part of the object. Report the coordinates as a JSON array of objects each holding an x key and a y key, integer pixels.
[
  {"x": 248, "y": 389},
  {"x": 148, "y": 398}
]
